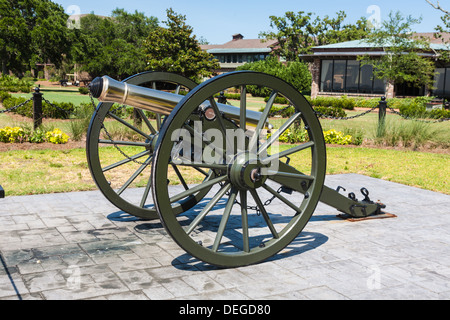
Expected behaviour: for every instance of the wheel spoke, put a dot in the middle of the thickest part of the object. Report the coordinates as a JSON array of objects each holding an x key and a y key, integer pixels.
[
  {"x": 198, "y": 135},
  {"x": 124, "y": 143},
  {"x": 218, "y": 115},
  {"x": 125, "y": 161},
  {"x": 202, "y": 165},
  {"x": 129, "y": 125},
  {"x": 146, "y": 192},
  {"x": 283, "y": 199},
  {"x": 134, "y": 176},
  {"x": 278, "y": 133},
  {"x": 243, "y": 110},
  {"x": 262, "y": 121},
  {"x": 244, "y": 217},
  {"x": 264, "y": 213},
  {"x": 147, "y": 122},
  {"x": 202, "y": 171},
  {"x": 208, "y": 207},
  {"x": 290, "y": 175},
  {"x": 191, "y": 191},
  {"x": 224, "y": 221},
  {"x": 180, "y": 177},
  {"x": 158, "y": 121},
  {"x": 288, "y": 152}
]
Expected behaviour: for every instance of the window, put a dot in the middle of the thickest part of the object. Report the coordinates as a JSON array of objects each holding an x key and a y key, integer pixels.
[
  {"x": 326, "y": 77},
  {"x": 240, "y": 58},
  {"x": 366, "y": 79},
  {"x": 442, "y": 83},
  {"x": 447, "y": 82},
  {"x": 352, "y": 76},
  {"x": 349, "y": 76},
  {"x": 339, "y": 71},
  {"x": 439, "y": 82}
]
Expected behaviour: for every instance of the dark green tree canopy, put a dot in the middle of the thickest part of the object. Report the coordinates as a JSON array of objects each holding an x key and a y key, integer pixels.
[
  {"x": 113, "y": 45},
  {"x": 297, "y": 33},
  {"x": 32, "y": 31},
  {"x": 403, "y": 62},
  {"x": 295, "y": 73},
  {"x": 175, "y": 49}
]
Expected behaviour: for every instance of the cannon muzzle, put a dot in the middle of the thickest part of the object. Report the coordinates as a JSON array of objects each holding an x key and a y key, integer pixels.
[{"x": 107, "y": 89}]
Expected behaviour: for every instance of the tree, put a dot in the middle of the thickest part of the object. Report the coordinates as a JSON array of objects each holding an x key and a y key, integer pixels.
[
  {"x": 113, "y": 45},
  {"x": 438, "y": 7},
  {"x": 402, "y": 61},
  {"x": 32, "y": 31},
  {"x": 297, "y": 33},
  {"x": 295, "y": 73},
  {"x": 175, "y": 49},
  {"x": 445, "y": 54}
]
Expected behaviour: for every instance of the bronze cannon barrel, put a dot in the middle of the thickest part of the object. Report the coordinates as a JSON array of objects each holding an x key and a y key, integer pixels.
[{"x": 106, "y": 89}]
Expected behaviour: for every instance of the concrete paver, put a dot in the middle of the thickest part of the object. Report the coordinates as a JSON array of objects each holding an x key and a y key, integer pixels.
[{"x": 79, "y": 246}]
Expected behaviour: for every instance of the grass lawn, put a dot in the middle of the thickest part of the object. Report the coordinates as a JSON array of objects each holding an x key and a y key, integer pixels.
[
  {"x": 49, "y": 171},
  {"x": 59, "y": 95}
]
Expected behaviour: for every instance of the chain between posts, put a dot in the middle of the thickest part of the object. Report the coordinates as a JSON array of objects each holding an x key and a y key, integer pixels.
[
  {"x": 420, "y": 120},
  {"x": 345, "y": 118},
  {"x": 16, "y": 107}
]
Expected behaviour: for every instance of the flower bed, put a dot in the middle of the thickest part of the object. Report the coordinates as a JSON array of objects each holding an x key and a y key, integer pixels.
[{"x": 21, "y": 135}]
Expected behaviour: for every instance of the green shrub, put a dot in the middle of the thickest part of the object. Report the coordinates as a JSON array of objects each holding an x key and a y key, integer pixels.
[
  {"x": 37, "y": 136},
  {"x": 294, "y": 135},
  {"x": 4, "y": 95},
  {"x": 14, "y": 84},
  {"x": 283, "y": 111},
  {"x": 278, "y": 100},
  {"x": 62, "y": 110},
  {"x": 83, "y": 90},
  {"x": 439, "y": 114},
  {"x": 412, "y": 109},
  {"x": 25, "y": 110},
  {"x": 341, "y": 102},
  {"x": 295, "y": 73},
  {"x": 367, "y": 103},
  {"x": 331, "y": 112},
  {"x": 229, "y": 96}
]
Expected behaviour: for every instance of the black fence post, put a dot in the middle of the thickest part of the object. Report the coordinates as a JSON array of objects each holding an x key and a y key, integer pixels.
[
  {"x": 382, "y": 109},
  {"x": 37, "y": 108},
  {"x": 382, "y": 106}
]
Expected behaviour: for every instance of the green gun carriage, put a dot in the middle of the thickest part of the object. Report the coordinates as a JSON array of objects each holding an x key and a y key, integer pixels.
[{"x": 215, "y": 175}]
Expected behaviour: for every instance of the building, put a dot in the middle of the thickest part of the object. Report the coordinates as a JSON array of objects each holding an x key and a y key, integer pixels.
[
  {"x": 239, "y": 51},
  {"x": 336, "y": 71}
]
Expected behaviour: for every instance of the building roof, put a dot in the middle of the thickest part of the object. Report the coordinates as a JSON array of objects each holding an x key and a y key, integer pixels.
[
  {"x": 435, "y": 43},
  {"x": 241, "y": 45}
]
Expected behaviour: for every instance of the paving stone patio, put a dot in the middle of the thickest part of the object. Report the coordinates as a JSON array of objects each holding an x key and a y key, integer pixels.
[{"x": 79, "y": 246}]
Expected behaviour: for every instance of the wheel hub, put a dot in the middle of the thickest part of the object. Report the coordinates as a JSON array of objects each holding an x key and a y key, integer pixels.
[
  {"x": 246, "y": 171},
  {"x": 151, "y": 143}
]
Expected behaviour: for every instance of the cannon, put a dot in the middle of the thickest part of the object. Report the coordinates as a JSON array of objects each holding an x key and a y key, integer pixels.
[{"x": 205, "y": 168}]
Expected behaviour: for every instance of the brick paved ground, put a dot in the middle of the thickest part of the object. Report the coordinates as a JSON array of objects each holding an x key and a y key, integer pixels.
[{"x": 78, "y": 246}]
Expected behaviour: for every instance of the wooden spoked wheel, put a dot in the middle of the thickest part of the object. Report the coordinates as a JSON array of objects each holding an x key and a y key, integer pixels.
[
  {"x": 235, "y": 225},
  {"x": 120, "y": 151}
]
